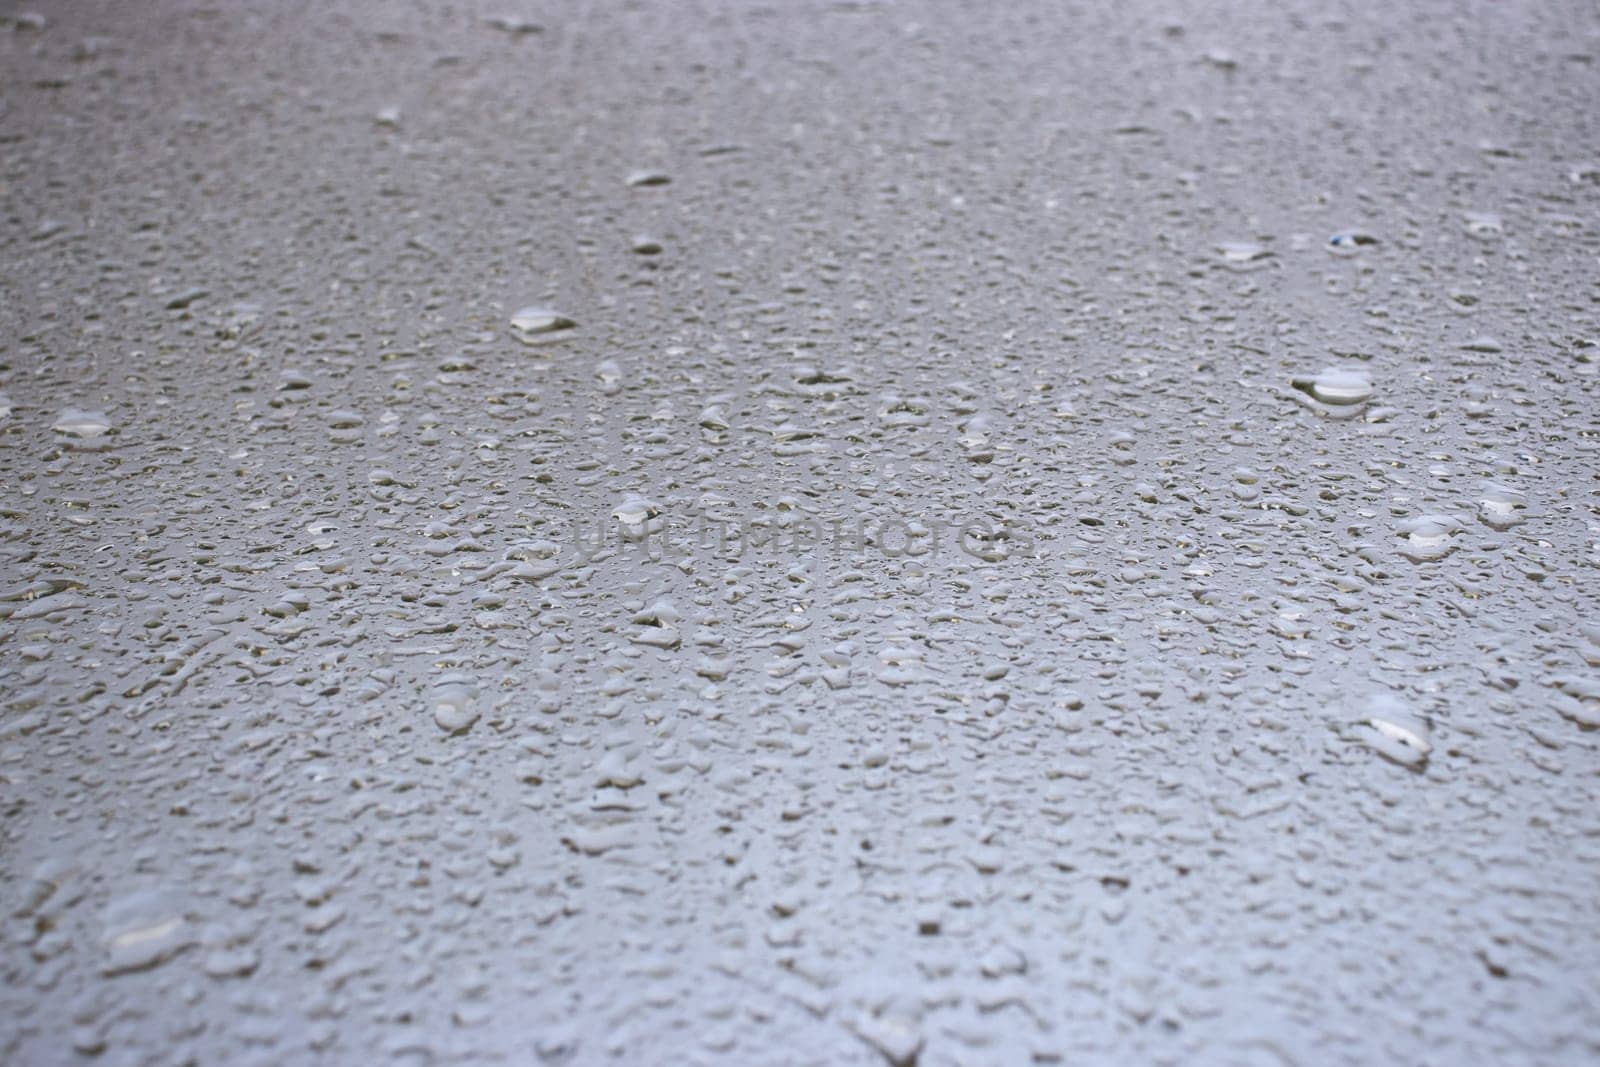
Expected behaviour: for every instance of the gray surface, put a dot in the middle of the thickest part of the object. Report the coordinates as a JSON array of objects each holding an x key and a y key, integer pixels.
[{"x": 1268, "y": 737}]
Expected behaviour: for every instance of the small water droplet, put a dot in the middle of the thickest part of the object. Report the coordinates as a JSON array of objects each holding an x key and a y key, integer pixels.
[
  {"x": 1243, "y": 255},
  {"x": 1485, "y": 225},
  {"x": 1349, "y": 242}
]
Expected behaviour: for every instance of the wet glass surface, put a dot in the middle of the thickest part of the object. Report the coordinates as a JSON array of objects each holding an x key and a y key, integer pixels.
[{"x": 837, "y": 533}]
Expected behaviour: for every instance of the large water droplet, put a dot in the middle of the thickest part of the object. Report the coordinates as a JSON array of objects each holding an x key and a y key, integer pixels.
[
  {"x": 1337, "y": 386},
  {"x": 537, "y": 325},
  {"x": 1501, "y": 506},
  {"x": 455, "y": 702},
  {"x": 1391, "y": 728},
  {"x": 74, "y": 422},
  {"x": 1428, "y": 537}
]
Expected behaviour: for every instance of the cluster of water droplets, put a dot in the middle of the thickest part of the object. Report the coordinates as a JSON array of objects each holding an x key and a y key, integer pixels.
[{"x": 1111, "y": 642}]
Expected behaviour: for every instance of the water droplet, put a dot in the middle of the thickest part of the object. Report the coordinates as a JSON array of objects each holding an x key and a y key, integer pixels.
[
  {"x": 537, "y": 325},
  {"x": 143, "y": 929},
  {"x": 1501, "y": 506},
  {"x": 638, "y": 516},
  {"x": 187, "y": 297},
  {"x": 1243, "y": 255},
  {"x": 515, "y": 25},
  {"x": 1338, "y": 386},
  {"x": 1349, "y": 242},
  {"x": 75, "y": 422},
  {"x": 455, "y": 702},
  {"x": 1485, "y": 225},
  {"x": 1390, "y": 728},
  {"x": 1428, "y": 537}
]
